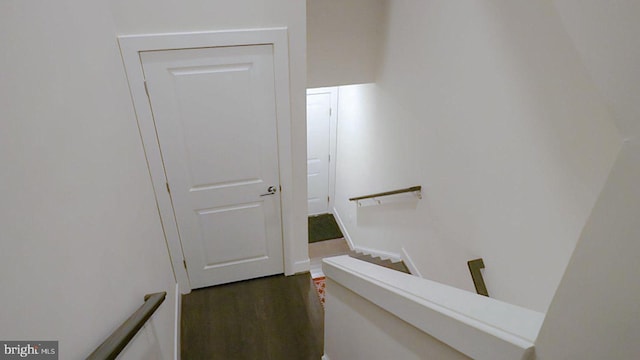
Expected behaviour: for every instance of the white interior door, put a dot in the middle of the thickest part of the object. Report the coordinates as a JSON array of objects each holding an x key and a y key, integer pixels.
[
  {"x": 318, "y": 141},
  {"x": 215, "y": 117}
]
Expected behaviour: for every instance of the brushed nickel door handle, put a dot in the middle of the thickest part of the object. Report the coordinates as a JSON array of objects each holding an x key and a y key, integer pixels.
[{"x": 271, "y": 190}]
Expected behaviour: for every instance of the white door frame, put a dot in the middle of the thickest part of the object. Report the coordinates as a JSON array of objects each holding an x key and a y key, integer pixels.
[
  {"x": 333, "y": 139},
  {"x": 131, "y": 46}
]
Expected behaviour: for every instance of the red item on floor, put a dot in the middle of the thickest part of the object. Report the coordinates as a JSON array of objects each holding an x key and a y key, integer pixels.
[{"x": 320, "y": 284}]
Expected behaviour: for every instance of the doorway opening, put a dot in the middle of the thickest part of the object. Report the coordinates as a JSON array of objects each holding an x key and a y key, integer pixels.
[
  {"x": 325, "y": 236},
  {"x": 322, "y": 116}
]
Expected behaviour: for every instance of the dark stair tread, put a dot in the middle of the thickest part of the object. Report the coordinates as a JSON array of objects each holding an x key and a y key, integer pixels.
[{"x": 398, "y": 266}]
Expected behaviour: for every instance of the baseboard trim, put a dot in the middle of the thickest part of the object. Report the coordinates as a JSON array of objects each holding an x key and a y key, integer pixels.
[
  {"x": 301, "y": 266},
  {"x": 325, "y": 357},
  {"x": 343, "y": 228},
  {"x": 384, "y": 255},
  {"x": 409, "y": 263},
  {"x": 178, "y": 319}
]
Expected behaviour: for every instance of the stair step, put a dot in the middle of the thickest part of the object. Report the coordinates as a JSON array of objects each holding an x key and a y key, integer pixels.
[{"x": 398, "y": 266}]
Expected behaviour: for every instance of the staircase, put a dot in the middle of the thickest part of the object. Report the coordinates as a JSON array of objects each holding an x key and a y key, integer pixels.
[{"x": 398, "y": 266}]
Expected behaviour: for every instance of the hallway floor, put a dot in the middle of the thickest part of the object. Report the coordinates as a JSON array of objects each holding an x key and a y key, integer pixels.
[{"x": 275, "y": 317}]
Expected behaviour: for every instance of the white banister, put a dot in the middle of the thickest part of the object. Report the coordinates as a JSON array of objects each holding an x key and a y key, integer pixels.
[{"x": 474, "y": 325}]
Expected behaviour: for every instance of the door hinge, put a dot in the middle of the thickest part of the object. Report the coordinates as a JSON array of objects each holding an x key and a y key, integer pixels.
[
  {"x": 184, "y": 262},
  {"x": 329, "y": 157},
  {"x": 328, "y": 199},
  {"x": 280, "y": 187},
  {"x": 330, "y": 111},
  {"x": 146, "y": 89},
  {"x": 168, "y": 189}
]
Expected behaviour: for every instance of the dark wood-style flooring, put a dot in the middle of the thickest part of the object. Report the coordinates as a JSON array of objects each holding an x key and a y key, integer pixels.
[{"x": 276, "y": 318}]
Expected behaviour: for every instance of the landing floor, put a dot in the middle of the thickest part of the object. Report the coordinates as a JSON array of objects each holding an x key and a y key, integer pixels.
[
  {"x": 322, "y": 249},
  {"x": 276, "y": 318}
]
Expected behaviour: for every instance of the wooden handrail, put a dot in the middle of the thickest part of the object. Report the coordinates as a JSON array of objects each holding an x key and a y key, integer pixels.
[
  {"x": 387, "y": 193},
  {"x": 476, "y": 275},
  {"x": 114, "y": 344}
]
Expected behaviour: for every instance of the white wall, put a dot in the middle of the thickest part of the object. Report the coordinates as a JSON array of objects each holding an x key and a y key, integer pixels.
[
  {"x": 343, "y": 41},
  {"x": 488, "y": 107},
  {"x": 607, "y": 37},
  {"x": 357, "y": 329},
  {"x": 80, "y": 236},
  {"x": 594, "y": 314}
]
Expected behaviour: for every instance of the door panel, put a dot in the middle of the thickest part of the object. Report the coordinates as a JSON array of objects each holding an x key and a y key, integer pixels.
[
  {"x": 227, "y": 85},
  {"x": 318, "y": 130},
  {"x": 240, "y": 223},
  {"x": 214, "y": 111}
]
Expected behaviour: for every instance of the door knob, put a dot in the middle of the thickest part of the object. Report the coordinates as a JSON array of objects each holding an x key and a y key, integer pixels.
[{"x": 271, "y": 190}]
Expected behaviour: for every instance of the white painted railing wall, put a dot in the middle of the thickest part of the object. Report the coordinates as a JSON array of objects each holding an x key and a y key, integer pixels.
[{"x": 376, "y": 313}]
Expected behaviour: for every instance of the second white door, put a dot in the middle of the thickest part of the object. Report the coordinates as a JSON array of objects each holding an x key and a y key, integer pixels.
[
  {"x": 215, "y": 116},
  {"x": 319, "y": 117}
]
